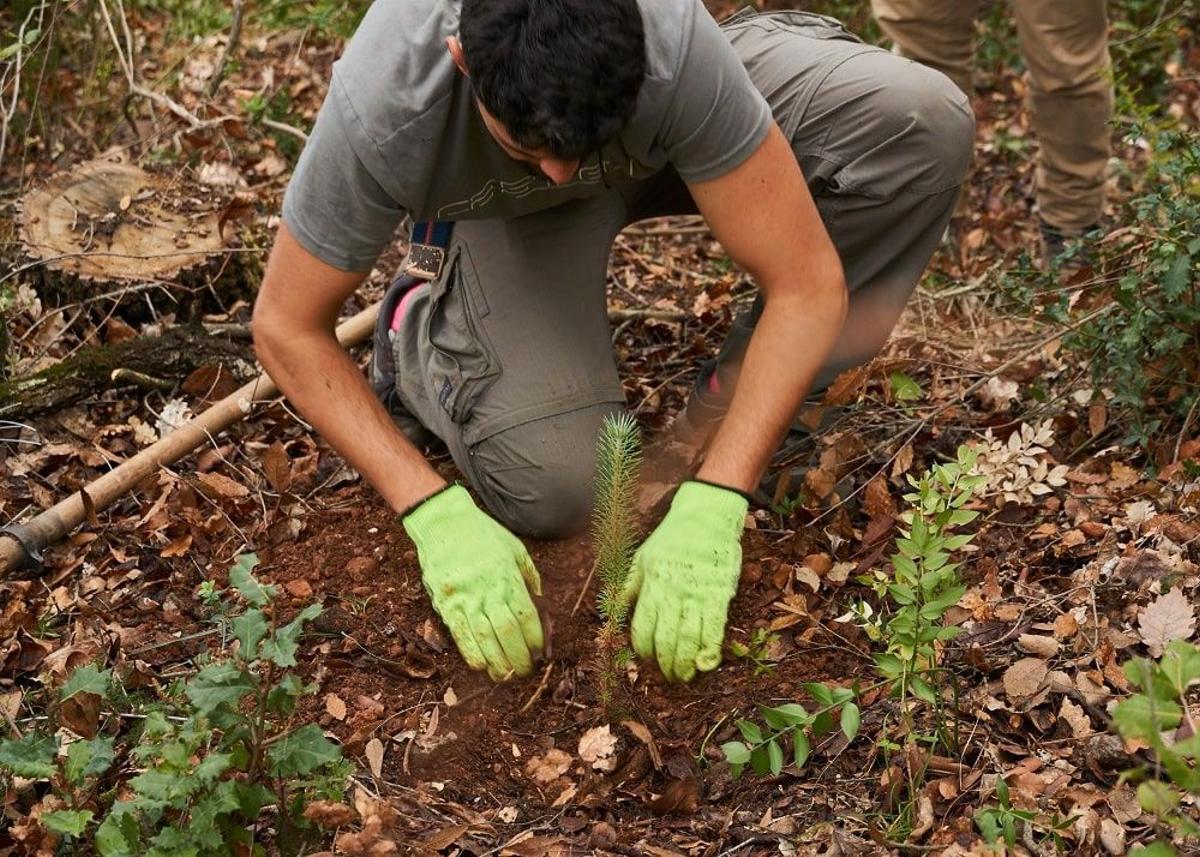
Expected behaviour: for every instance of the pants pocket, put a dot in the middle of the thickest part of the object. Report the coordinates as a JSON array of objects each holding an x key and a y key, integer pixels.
[{"x": 462, "y": 363}]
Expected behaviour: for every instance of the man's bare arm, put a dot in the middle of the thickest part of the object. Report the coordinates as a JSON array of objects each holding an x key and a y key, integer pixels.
[
  {"x": 765, "y": 217},
  {"x": 294, "y": 320}
]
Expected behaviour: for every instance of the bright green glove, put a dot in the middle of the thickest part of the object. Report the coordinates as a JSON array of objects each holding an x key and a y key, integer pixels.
[
  {"x": 687, "y": 573},
  {"x": 476, "y": 573}
]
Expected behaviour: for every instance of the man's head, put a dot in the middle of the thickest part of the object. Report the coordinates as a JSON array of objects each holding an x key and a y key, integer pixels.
[{"x": 555, "y": 79}]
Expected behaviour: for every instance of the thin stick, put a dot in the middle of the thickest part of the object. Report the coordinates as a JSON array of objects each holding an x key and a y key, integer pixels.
[
  {"x": 235, "y": 33},
  {"x": 540, "y": 688},
  {"x": 584, "y": 590},
  {"x": 54, "y": 523}
]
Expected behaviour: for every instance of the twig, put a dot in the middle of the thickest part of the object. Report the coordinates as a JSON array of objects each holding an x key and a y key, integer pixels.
[
  {"x": 285, "y": 128},
  {"x": 540, "y": 688},
  {"x": 146, "y": 382},
  {"x": 640, "y": 313},
  {"x": 583, "y": 590},
  {"x": 235, "y": 33},
  {"x": 1187, "y": 423}
]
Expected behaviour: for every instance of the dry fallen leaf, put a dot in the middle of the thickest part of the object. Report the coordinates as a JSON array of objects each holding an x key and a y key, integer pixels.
[
  {"x": 1066, "y": 626},
  {"x": 335, "y": 706},
  {"x": 550, "y": 767},
  {"x": 1169, "y": 617},
  {"x": 1075, "y": 718},
  {"x": 1024, "y": 678},
  {"x": 596, "y": 746},
  {"x": 329, "y": 814},
  {"x": 374, "y": 753},
  {"x": 1036, "y": 644},
  {"x": 640, "y": 732}
]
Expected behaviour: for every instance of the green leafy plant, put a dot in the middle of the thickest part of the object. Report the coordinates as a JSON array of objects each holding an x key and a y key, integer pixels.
[
  {"x": 762, "y": 747},
  {"x": 614, "y": 532},
  {"x": 74, "y": 773},
  {"x": 757, "y": 650},
  {"x": 1159, "y": 715},
  {"x": 923, "y": 584},
  {"x": 210, "y": 760},
  {"x": 1136, "y": 323},
  {"x": 1003, "y": 820}
]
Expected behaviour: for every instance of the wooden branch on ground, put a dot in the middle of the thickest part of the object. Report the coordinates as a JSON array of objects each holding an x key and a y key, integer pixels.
[{"x": 20, "y": 540}]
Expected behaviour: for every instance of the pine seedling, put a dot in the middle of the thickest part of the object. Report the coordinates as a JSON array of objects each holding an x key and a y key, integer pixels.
[{"x": 614, "y": 522}]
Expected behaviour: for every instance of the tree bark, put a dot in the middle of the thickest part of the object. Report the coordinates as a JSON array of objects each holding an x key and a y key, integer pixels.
[{"x": 172, "y": 356}]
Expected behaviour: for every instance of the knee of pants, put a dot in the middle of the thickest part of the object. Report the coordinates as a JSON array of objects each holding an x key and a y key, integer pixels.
[{"x": 538, "y": 479}]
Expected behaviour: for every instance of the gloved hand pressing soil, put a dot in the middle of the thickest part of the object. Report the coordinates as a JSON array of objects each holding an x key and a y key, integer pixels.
[
  {"x": 478, "y": 576},
  {"x": 684, "y": 576}
]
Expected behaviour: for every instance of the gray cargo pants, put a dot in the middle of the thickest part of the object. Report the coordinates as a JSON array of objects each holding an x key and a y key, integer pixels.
[{"x": 507, "y": 357}]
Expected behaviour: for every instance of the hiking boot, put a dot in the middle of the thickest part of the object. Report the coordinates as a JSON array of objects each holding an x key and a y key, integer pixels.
[
  {"x": 1068, "y": 248},
  {"x": 382, "y": 369}
]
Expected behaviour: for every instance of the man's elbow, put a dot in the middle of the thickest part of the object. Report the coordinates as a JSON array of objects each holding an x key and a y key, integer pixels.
[{"x": 268, "y": 326}]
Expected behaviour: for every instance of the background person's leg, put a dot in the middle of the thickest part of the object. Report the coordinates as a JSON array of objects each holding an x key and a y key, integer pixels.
[
  {"x": 1065, "y": 46},
  {"x": 507, "y": 358},
  {"x": 936, "y": 33}
]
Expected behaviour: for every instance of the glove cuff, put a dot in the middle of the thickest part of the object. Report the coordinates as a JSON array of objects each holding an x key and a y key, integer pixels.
[
  {"x": 722, "y": 506},
  {"x": 436, "y": 512}
]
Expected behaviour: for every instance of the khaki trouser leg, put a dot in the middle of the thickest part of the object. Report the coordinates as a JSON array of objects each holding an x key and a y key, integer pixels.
[
  {"x": 936, "y": 33},
  {"x": 1065, "y": 46}
]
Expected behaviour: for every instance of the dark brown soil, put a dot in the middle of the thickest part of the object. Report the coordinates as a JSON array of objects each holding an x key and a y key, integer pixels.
[{"x": 390, "y": 660}]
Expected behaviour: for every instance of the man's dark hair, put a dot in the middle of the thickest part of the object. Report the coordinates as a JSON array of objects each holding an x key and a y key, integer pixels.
[{"x": 560, "y": 74}]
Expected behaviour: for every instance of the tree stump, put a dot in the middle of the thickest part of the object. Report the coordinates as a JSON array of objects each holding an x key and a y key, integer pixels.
[{"x": 106, "y": 221}]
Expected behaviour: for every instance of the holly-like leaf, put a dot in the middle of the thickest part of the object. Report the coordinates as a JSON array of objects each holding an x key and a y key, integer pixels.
[
  {"x": 119, "y": 834},
  {"x": 1169, "y": 617},
  {"x": 88, "y": 759},
  {"x": 242, "y": 579},
  {"x": 302, "y": 752},
  {"x": 248, "y": 630},
  {"x": 281, "y": 699},
  {"x": 87, "y": 679},
  {"x": 31, "y": 756},
  {"x": 281, "y": 646},
  {"x": 904, "y": 388},
  {"x": 67, "y": 822},
  {"x": 217, "y": 685}
]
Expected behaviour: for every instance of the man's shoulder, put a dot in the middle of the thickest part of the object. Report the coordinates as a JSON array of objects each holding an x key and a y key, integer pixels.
[
  {"x": 396, "y": 69},
  {"x": 668, "y": 26}
]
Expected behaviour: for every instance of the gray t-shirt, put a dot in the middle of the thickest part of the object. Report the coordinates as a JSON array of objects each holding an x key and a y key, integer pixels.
[{"x": 399, "y": 132}]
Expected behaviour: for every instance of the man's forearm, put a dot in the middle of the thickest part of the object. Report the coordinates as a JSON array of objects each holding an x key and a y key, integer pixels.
[
  {"x": 790, "y": 344},
  {"x": 325, "y": 385}
]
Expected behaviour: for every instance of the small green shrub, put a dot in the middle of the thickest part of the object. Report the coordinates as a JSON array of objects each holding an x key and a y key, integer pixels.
[
  {"x": 1160, "y": 716},
  {"x": 762, "y": 747},
  {"x": 1003, "y": 820},
  {"x": 757, "y": 650},
  {"x": 923, "y": 584},
  {"x": 210, "y": 759}
]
